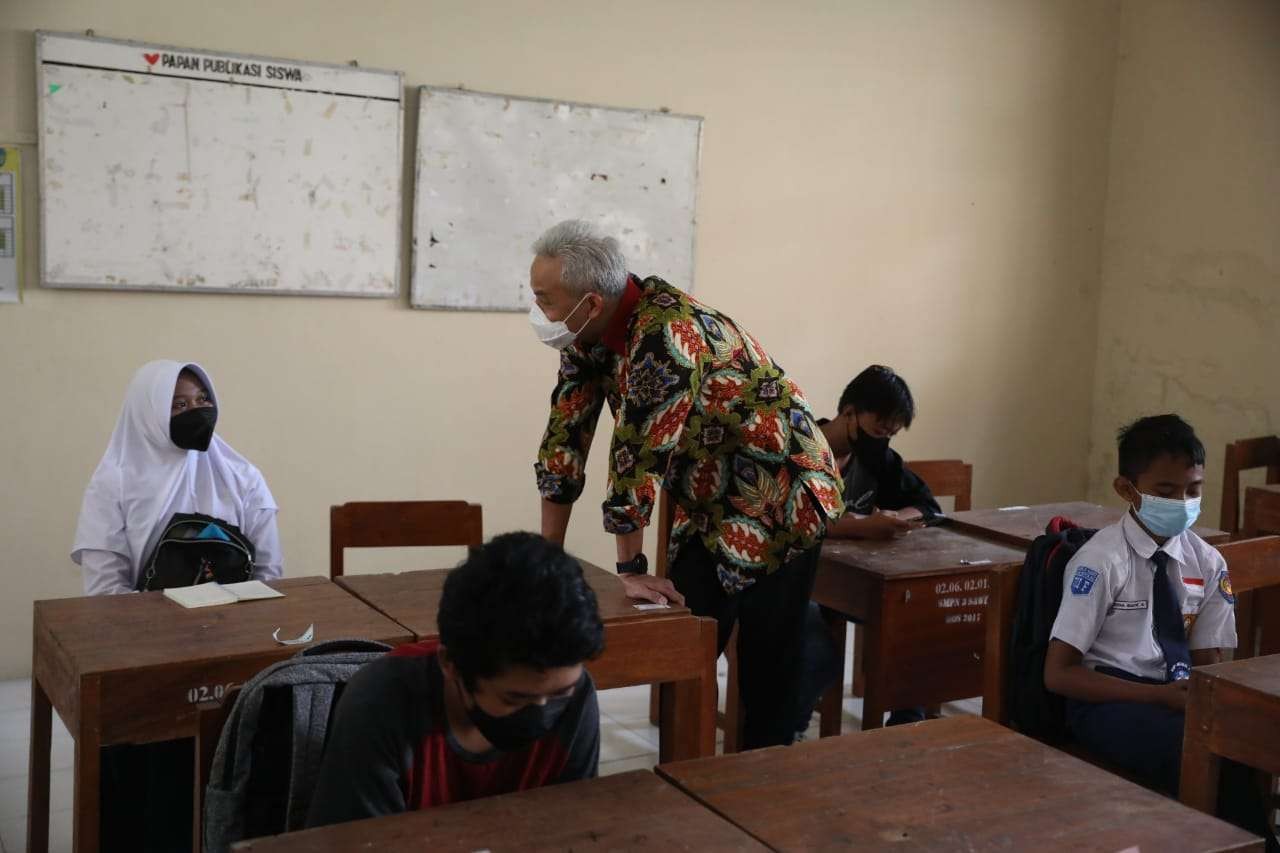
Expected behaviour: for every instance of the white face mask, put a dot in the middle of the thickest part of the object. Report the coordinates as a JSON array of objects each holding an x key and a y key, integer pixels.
[{"x": 554, "y": 333}]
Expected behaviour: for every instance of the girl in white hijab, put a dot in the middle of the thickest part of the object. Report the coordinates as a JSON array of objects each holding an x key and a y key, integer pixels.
[{"x": 164, "y": 458}]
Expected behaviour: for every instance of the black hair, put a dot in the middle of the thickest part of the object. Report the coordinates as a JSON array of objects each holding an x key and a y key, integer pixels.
[
  {"x": 881, "y": 392},
  {"x": 1146, "y": 439},
  {"x": 518, "y": 600}
]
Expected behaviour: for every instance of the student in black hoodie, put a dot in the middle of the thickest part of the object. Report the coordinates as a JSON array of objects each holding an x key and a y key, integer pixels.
[{"x": 883, "y": 499}]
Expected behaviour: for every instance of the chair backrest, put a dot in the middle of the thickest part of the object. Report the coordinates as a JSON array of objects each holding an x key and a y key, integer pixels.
[
  {"x": 1241, "y": 456},
  {"x": 947, "y": 478},
  {"x": 1254, "y": 568},
  {"x": 1253, "y": 563},
  {"x": 401, "y": 524},
  {"x": 259, "y": 779}
]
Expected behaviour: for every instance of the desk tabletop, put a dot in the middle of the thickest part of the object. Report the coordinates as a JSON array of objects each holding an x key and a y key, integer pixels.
[
  {"x": 921, "y": 553},
  {"x": 1259, "y": 675},
  {"x": 118, "y": 633},
  {"x": 628, "y": 811},
  {"x": 412, "y": 598},
  {"x": 1020, "y": 525},
  {"x": 958, "y": 783}
]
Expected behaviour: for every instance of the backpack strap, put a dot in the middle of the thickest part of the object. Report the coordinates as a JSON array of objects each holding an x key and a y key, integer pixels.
[{"x": 312, "y": 704}]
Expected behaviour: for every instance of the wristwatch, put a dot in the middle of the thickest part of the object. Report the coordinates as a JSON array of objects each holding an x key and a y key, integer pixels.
[{"x": 637, "y": 565}]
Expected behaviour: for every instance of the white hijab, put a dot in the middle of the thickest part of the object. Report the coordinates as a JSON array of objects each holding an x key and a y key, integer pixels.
[{"x": 144, "y": 478}]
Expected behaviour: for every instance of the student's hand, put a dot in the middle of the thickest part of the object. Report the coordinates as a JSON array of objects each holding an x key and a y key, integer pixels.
[
  {"x": 650, "y": 588},
  {"x": 1174, "y": 694},
  {"x": 885, "y": 524}
]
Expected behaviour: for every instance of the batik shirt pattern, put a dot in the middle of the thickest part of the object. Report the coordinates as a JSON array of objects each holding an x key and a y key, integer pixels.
[{"x": 701, "y": 408}]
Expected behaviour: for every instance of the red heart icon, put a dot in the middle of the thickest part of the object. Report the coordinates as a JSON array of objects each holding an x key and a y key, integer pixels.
[{"x": 151, "y": 58}]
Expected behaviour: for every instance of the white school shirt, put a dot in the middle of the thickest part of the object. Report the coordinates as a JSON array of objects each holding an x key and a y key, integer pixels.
[
  {"x": 1106, "y": 611},
  {"x": 143, "y": 479}
]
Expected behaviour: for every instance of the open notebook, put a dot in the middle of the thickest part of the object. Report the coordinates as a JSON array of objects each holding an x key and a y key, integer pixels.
[{"x": 210, "y": 594}]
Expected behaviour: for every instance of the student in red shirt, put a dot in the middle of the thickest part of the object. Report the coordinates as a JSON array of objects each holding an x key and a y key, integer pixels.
[{"x": 501, "y": 703}]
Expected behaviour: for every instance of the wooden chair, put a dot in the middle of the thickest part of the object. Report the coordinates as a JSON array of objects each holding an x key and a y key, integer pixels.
[
  {"x": 401, "y": 524},
  {"x": 1254, "y": 567},
  {"x": 946, "y": 478},
  {"x": 1244, "y": 455}
]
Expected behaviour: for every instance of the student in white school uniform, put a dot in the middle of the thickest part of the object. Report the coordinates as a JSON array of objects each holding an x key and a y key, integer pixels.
[
  {"x": 1143, "y": 601},
  {"x": 163, "y": 458}
]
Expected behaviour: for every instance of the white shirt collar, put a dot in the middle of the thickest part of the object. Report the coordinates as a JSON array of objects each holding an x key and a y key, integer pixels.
[{"x": 1144, "y": 546}]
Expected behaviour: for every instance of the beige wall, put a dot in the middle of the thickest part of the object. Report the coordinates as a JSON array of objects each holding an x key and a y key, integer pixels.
[
  {"x": 1190, "y": 309},
  {"x": 916, "y": 183}
]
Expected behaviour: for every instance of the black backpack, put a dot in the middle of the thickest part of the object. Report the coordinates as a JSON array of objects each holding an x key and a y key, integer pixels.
[
  {"x": 185, "y": 557},
  {"x": 1033, "y": 710}
]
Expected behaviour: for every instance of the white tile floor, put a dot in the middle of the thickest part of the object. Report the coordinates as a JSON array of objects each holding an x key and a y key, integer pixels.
[{"x": 627, "y": 742}]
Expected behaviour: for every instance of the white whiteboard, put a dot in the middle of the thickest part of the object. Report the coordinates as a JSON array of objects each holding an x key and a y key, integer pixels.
[
  {"x": 494, "y": 172},
  {"x": 174, "y": 169}
]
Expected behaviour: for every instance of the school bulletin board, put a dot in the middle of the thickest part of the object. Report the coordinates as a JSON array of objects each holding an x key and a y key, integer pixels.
[
  {"x": 494, "y": 171},
  {"x": 166, "y": 168}
]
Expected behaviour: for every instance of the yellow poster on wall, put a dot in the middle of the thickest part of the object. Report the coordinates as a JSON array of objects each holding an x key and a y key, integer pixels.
[{"x": 10, "y": 233}]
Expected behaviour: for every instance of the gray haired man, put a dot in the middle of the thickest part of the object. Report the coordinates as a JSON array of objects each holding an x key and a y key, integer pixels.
[{"x": 701, "y": 410}]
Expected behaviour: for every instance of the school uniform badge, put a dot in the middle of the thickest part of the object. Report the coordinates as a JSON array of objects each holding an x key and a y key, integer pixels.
[
  {"x": 1224, "y": 587},
  {"x": 1083, "y": 581}
]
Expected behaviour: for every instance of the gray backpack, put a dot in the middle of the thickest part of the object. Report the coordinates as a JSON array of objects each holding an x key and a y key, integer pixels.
[{"x": 273, "y": 742}]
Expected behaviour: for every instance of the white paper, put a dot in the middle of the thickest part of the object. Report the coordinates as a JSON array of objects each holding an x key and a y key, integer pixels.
[
  {"x": 1011, "y": 508},
  {"x": 652, "y": 606},
  {"x": 975, "y": 562},
  {"x": 305, "y": 637},
  {"x": 200, "y": 595},
  {"x": 251, "y": 590}
]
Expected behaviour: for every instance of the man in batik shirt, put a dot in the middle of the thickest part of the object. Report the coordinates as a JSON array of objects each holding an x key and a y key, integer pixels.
[{"x": 702, "y": 410}]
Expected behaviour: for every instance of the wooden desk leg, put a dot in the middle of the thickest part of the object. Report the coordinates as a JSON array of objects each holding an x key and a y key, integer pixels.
[
  {"x": 38, "y": 769},
  {"x": 873, "y": 666},
  {"x": 88, "y": 772},
  {"x": 688, "y": 708},
  {"x": 831, "y": 705},
  {"x": 1199, "y": 786},
  {"x": 859, "y": 687},
  {"x": 680, "y": 709}
]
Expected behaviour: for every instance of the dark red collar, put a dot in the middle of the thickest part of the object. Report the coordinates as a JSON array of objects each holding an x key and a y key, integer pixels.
[{"x": 615, "y": 336}]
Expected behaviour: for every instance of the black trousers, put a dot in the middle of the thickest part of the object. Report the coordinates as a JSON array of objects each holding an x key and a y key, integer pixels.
[
  {"x": 770, "y": 615},
  {"x": 1146, "y": 740}
]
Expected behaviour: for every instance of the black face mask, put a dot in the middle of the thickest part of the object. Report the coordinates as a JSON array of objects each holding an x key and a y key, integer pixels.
[
  {"x": 519, "y": 730},
  {"x": 869, "y": 450},
  {"x": 193, "y": 429}
]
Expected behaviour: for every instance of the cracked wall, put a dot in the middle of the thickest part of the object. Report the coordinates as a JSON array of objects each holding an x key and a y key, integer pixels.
[{"x": 1189, "y": 313}]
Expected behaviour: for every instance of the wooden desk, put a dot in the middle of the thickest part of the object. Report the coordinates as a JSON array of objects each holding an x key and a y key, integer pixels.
[
  {"x": 922, "y": 609},
  {"x": 1021, "y": 525},
  {"x": 960, "y": 783},
  {"x": 629, "y": 811},
  {"x": 1261, "y": 511},
  {"x": 1233, "y": 711},
  {"x": 131, "y": 668},
  {"x": 671, "y": 647}
]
